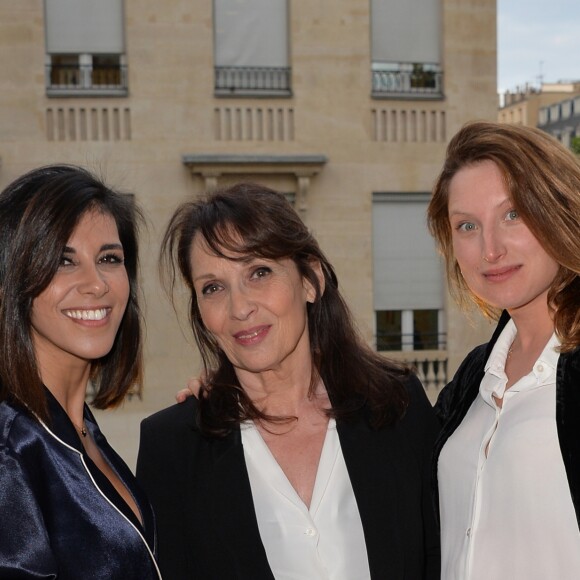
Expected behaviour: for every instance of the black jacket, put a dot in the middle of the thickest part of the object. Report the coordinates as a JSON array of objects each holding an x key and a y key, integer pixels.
[
  {"x": 456, "y": 398},
  {"x": 207, "y": 525}
]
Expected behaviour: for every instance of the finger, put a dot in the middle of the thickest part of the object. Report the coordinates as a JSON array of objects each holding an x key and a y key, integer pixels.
[{"x": 183, "y": 394}]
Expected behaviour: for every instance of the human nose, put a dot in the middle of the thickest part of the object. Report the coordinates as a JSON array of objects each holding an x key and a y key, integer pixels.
[
  {"x": 92, "y": 281},
  {"x": 493, "y": 245},
  {"x": 241, "y": 304}
]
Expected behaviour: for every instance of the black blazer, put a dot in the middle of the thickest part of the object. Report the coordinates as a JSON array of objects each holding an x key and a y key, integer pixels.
[{"x": 207, "y": 525}]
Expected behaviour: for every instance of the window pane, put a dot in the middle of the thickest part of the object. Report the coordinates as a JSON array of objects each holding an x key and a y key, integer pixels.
[
  {"x": 107, "y": 70},
  {"x": 425, "y": 330},
  {"x": 65, "y": 70},
  {"x": 389, "y": 330}
]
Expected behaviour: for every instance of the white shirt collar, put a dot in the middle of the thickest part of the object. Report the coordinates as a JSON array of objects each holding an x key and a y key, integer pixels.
[{"x": 495, "y": 378}]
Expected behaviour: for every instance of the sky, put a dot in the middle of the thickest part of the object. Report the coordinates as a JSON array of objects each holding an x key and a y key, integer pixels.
[{"x": 537, "y": 38}]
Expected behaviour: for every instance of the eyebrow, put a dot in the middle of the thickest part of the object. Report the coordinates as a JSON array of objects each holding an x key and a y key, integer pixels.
[
  {"x": 103, "y": 248},
  {"x": 208, "y": 276},
  {"x": 506, "y": 201}
]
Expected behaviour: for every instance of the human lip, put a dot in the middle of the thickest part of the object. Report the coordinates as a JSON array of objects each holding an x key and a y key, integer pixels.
[
  {"x": 88, "y": 314},
  {"x": 500, "y": 274},
  {"x": 252, "y": 335}
]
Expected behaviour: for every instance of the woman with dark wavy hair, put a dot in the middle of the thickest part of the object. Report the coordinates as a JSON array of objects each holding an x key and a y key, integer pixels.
[
  {"x": 305, "y": 454},
  {"x": 68, "y": 314},
  {"x": 506, "y": 214}
]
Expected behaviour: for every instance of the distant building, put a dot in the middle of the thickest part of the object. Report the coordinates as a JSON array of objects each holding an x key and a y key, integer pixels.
[
  {"x": 561, "y": 119},
  {"x": 523, "y": 106},
  {"x": 345, "y": 106}
]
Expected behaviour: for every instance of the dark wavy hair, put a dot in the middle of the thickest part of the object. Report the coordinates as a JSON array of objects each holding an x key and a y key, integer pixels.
[
  {"x": 251, "y": 220},
  {"x": 38, "y": 214},
  {"x": 543, "y": 181}
]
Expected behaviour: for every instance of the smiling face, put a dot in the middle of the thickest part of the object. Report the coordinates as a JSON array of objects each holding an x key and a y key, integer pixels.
[
  {"x": 76, "y": 318},
  {"x": 255, "y": 309},
  {"x": 501, "y": 261}
]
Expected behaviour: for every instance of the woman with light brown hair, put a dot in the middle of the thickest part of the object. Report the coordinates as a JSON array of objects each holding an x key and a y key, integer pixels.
[{"x": 505, "y": 212}]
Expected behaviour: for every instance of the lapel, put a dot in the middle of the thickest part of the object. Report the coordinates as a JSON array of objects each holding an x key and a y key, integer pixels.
[
  {"x": 370, "y": 457},
  {"x": 230, "y": 505},
  {"x": 567, "y": 414}
]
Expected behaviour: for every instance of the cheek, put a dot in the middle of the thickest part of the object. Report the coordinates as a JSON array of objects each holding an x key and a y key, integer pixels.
[
  {"x": 462, "y": 254},
  {"x": 210, "y": 319}
]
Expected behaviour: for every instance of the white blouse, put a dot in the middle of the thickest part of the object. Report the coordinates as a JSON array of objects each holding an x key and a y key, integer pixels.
[
  {"x": 324, "y": 542},
  {"x": 508, "y": 513}
]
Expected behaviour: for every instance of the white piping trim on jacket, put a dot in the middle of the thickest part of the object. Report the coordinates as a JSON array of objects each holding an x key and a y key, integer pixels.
[{"x": 106, "y": 498}]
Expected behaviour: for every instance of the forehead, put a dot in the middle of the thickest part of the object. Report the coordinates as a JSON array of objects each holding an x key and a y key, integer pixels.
[
  {"x": 95, "y": 223},
  {"x": 482, "y": 182}
]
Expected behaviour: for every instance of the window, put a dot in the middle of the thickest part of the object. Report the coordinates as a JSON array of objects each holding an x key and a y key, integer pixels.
[
  {"x": 405, "y": 46},
  {"x": 85, "y": 48},
  {"x": 407, "y": 275},
  {"x": 251, "y": 48}
]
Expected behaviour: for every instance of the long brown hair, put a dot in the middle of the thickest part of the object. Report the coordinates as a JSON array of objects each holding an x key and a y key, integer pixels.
[
  {"x": 38, "y": 214},
  {"x": 252, "y": 220},
  {"x": 543, "y": 180}
]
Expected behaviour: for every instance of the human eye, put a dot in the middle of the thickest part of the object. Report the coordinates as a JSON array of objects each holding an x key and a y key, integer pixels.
[
  {"x": 511, "y": 215},
  {"x": 210, "y": 288},
  {"x": 112, "y": 258},
  {"x": 65, "y": 261},
  {"x": 465, "y": 227},
  {"x": 261, "y": 272}
]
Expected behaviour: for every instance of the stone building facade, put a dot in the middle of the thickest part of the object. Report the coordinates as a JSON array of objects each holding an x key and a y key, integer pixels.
[{"x": 345, "y": 105}]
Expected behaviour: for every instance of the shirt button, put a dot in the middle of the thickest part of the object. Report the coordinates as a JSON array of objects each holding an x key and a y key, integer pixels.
[
  {"x": 468, "y": 532},
  {"x": 310, "y": 532},
  {"x": 540, "y": 368}
]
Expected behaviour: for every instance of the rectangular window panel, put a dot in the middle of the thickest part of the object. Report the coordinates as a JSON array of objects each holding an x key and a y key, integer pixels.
[
  {"x": 406, "y": 31},
  {"x": 407, "y": 270},
  {"x": 84, "y": 26},
  {"x": 409, "y": 330},
  {"x": 389, "y": 330},
  {"x": 405, "y": 48},
  {"x": 426, "y": 332},
  {"x": 251, "y": 47}
]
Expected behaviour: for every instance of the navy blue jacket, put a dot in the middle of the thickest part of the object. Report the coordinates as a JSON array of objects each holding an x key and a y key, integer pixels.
[
  {"x": 200, "y": 490},
  {"x": 60, "y": 517}
]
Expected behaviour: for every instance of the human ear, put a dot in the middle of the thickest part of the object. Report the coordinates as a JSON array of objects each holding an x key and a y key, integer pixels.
[{"x": 316, "y": 267}]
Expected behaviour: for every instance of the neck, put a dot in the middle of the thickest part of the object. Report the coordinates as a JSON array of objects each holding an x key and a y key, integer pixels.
[
  {"x": 282, "y": 395},
  {"x": 69, "y": 387},
  {"x": 534, "y": 328}
]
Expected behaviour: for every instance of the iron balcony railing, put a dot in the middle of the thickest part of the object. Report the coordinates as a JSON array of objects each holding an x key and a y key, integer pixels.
[
  {"x": 78, "y": 79},
  {"x": 248, "y": 80},
  {"x": 403, "y": 341},
  {"x": 418, "y": 80}
]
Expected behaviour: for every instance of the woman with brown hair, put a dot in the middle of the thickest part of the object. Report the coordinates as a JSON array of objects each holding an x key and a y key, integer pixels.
[
  {"x": 305, "y": 454},
  {"x": 506, "y": 214},
  {"x": 69, "y": 313}
]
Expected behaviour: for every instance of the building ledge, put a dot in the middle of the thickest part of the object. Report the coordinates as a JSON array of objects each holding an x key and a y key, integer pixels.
[{"x": 212, "y": 166}]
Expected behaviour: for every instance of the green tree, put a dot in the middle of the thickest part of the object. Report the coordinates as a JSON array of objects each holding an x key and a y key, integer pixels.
[{"x": 575, "y": 145}]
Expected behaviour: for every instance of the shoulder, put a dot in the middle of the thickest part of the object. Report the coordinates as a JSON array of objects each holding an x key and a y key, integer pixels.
[
  {"x": 175, "y": 417},
  {"x": 15, "y": 424}
]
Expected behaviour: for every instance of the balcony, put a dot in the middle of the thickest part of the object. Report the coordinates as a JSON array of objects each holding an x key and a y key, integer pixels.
[
  {"x": 406, "y": 81},
  {"x": 429, "y": 365},
  {"x": 237, "y": 81},
  {"x": 92, "y": 79}
]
